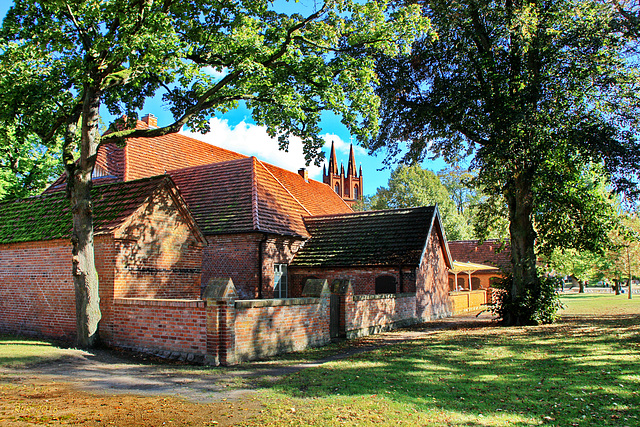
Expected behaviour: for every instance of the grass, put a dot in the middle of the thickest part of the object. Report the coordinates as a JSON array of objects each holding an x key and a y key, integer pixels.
[
  {"x": 600, "y": 305},
  {"x": 583, "y": 371},
  {"x": 21, "y": 352}
]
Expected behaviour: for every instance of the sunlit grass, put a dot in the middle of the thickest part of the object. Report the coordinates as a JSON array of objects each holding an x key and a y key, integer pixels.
[
  {"x": 600, "y": 304},
  {"x": 20, "y": 352},
  {"x": 581, "y": 372}
]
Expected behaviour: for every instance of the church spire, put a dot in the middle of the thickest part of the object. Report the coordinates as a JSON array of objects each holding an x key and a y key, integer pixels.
[
  {"x": 351, "y": 168},
  {"x": 333, "y": 163}
]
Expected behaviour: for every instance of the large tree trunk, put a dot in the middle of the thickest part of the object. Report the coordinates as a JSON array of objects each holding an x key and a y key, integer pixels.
[
  {"x": 85, "y": 276},
  {"x": 523, "y": 259}
]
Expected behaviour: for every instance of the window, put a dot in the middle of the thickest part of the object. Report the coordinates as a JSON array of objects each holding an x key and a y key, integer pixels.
[
  {"x": 337, "y": 188},
  {"x": 475, "y": 283},
  {"x": 356, "y": 192},
  {"x": 385, "y": 285},
  {"x": 281, "y": 288}
]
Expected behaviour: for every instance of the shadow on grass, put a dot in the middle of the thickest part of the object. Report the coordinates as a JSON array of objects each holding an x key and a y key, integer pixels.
[{"x": 581, "y": 371}]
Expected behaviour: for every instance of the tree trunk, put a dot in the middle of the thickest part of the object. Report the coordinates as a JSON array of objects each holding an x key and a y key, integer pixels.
[
  {"x": 523, "y": 258},
  {"x": 85, "y": 276},
  {"x": 629, "y": 267}
]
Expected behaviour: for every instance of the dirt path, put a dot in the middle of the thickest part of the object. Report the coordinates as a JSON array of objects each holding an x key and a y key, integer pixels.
[
  {"x": 112, "y": 383},
  {"x": 103, "y": 371}
]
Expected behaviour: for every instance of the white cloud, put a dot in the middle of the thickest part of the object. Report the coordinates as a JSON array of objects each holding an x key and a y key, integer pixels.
[{"x": 252, "y": 140}]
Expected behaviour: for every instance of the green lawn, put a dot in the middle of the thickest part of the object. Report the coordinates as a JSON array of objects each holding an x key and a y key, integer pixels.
[
  {"x": 582, "y": 371},
  {"x": 600, "y": 305},
  {"x": 20, "y": 352},
  {"x": 579, "y": 372}
]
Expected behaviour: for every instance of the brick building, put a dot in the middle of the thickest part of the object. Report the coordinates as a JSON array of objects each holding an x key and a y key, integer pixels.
[
  {"x": 349, "y": 185},
  {"x": 212, "y": 254},
  {"x": 147, "y": 244},
  {"x": 477, "y": 265}
]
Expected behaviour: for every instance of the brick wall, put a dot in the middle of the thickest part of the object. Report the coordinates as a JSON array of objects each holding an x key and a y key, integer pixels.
[
  {"x": 432, "y": 288},
  {"x": 36, "y": 300},
  {"x": 363, "y": 280},
  {"x": 368, "y": 314},
  {"x": 234, "y": 256},
  {"x": 277, "y": 250},
  {"x": 170, "y": 328},
  {"x": 158, "y": 253},
  {"x": 237, "y": 256},
  {"x": 267, "y": 327}
]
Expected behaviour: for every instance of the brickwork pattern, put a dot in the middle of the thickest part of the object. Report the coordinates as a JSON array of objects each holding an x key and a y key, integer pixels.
[
  {"x": 387, "y": 310},
  {"x": 33, "y": 300},
  {"x": 363, "y": 280},
  {"x": 265, "y": 331},
  {"x": 157, "y": 254},
  {"x": 175, "y": 326},
  {"x": 235, "y": 256},
  {"x": 432, "y": 290}
]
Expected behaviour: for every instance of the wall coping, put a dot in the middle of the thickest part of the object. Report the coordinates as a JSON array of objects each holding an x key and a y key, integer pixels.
[
  {"x": 383, "y": 296},
  {"x": 160, "y": 302},
  {"x": 257, "y": 303},
  {"x": 477, "y": 291}
]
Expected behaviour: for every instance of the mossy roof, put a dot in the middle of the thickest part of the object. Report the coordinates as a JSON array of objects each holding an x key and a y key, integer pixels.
[
  {"x": 49, "y": 216},
  {"x": 378, "y": 238}
]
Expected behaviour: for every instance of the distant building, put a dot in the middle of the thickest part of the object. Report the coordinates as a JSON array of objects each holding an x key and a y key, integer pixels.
[{"x": 348, "y": 186}]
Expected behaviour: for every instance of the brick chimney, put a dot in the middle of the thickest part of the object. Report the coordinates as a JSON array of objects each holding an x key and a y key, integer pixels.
[
  {"x": 304, "y": 173},
  {"x": 150, "y": 120}
]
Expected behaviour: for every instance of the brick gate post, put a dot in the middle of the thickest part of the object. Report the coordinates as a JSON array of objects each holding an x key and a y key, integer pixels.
[{"x": 220, "y": 295}]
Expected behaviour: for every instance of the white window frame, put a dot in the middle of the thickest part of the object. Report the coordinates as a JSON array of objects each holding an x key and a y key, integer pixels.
[{"x": 280, "y": 281}]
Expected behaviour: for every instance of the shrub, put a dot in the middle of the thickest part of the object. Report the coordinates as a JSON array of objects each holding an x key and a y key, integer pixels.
[{"x": 538, "y": 305}]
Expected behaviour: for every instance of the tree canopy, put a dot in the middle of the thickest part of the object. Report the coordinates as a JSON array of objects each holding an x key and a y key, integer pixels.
[
  {"x": 81, "y": 56},
  {"x": 544, "y": 93}
]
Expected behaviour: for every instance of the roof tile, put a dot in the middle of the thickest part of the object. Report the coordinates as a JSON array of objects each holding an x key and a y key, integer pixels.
[
  {"x": 49, "y": 216},
  {"x": 394, "y": 237}
]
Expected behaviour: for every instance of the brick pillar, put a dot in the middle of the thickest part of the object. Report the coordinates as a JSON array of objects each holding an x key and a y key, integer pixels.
[
  {"x": 343, "y": 288},
  {"x": 220, "y": 295}
]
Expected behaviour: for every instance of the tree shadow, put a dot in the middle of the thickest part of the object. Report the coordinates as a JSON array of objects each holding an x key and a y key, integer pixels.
[{"x": 585, "y": 372}]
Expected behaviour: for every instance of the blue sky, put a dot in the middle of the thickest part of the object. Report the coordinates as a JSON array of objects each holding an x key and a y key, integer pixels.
[{"x": 237, "y": 131}]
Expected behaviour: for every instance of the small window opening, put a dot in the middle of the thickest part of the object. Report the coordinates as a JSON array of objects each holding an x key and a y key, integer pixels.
[{"x": 385, "y": 284}]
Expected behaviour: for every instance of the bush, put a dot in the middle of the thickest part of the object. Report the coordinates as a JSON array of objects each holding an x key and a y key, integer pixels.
[{"x": 539, "y": 304}]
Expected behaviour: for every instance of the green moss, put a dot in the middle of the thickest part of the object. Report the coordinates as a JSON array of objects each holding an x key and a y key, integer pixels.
[{"x": 49, "y": 217}]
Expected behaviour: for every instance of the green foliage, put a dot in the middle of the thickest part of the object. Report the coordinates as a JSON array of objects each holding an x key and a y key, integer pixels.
[
  {"x": 68, "y": 59},
  {"x": 583, "y": 265},
  {"x": 26, "y": 167},
  {"x": 411, "y": 186},
  {"x": 546, "y": 96},
  {"x": 538, "y": 304}
]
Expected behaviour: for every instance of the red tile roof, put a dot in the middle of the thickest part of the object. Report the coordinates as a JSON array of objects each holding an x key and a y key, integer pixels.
[
  {"x": 492, "y": 252},
  {"x": 317, "y": 197},
  {"x": 240, "y": 196},
  {"x": 281, "y": 197}
]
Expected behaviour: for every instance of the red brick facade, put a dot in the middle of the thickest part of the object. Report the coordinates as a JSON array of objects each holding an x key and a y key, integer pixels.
[
  {"x": 155, "y": 253},
  {"x": 36, "y": 300},
  {"x": 238, "y": 256}
]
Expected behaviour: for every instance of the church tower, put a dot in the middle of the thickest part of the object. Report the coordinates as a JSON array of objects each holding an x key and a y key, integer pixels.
[{"x": 348, "y": 186}]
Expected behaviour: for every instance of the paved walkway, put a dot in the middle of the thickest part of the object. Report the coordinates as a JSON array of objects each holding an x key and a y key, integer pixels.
[{"x": 104, "y": 371}]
